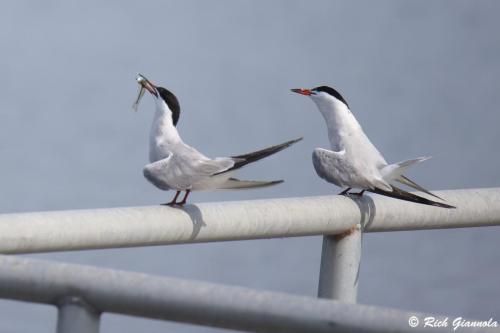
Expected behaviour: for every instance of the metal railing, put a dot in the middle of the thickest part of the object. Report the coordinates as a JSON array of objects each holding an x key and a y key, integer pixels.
[{"x": 82, "y": 293}]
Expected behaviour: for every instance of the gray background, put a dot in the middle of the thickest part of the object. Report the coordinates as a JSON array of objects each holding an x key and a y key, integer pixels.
[{"x": 422, "y": 78}]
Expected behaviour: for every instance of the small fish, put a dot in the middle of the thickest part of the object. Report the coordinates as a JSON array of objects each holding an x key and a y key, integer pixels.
[
  {"x": 139, "y": 96},
  {"x": 141, "y": 80}
]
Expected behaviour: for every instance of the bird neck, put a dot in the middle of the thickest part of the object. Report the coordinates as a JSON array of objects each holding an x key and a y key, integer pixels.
[
  {"x": 340, "y": 122},
  {"x": 163, "y": 133}
]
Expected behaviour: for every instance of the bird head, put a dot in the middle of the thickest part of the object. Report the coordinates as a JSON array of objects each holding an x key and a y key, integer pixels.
[
  {"x": 322, "y": 94},
  {"x": 165, "y": 100},
  {"x": 146, "y": 84}
]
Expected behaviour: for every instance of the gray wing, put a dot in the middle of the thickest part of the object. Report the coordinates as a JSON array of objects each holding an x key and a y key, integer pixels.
[
  {"x": 156, "y": 173},
  {"x": 195, "y": 163},
  {"x": 181, "y": 171},
  {"x": 210, "y": 167},
  {"x": 337, "y": 168},
  {"x": 327, "y": 164}
]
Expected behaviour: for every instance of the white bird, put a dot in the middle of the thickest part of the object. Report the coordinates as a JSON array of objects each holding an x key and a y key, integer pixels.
[
  {"x": 354, "y": 162},
  {"x": 178, "y": 166}
]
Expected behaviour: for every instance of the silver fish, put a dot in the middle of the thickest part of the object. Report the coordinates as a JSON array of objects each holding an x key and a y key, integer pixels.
[
  {"x": 139, "y": 96},
  {"x": 141, "y": 80}
]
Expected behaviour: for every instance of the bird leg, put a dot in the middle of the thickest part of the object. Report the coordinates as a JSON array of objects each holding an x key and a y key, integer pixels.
[
  {"x": 173, "y": 202},
  {"x": 345, "y": 192},
  {"x": 183, "y": 202},
  {"x": 358, "y": 193}
]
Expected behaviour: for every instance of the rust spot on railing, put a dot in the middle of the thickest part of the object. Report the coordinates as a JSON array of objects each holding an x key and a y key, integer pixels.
[{"x": 346, "y": 233}]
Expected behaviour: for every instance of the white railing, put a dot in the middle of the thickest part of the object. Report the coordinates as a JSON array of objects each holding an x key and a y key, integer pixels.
[
  {"x": 83, "y": 293},
  {"x": 87, "y": 290}
]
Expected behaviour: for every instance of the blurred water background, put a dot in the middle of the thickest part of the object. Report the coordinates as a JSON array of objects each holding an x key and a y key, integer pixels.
[{"x": 423, "y": 78}]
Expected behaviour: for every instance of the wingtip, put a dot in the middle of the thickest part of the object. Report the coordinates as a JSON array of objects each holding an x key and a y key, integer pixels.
[
  {"x": 237, "y": 184},
  {"x": 398, "y": 193},
  {"x": 421, "y": 159},
  {"x": 260, "y": 154},
  {"x": 291, "y": 142},
  {"x": 442, "y": 205}
]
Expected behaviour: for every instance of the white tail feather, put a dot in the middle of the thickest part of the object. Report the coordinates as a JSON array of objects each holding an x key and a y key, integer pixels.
[{"x": 394, "y": 171}]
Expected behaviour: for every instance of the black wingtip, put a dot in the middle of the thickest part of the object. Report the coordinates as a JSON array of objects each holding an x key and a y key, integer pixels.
[
  {"x": 245, "y": 159},
  {"x": 398, "y": 193},
  {"x": 296, "y": 140},
  {"x": 418, "y": 187}
]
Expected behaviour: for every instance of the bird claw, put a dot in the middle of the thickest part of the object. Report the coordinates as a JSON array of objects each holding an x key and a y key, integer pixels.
[
  {"x": 345, "y": 192},
  {"x": 174, "y": 204}
]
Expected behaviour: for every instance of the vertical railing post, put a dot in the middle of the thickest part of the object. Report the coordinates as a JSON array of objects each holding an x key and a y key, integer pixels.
[
  {"x": 339, "y": 271},
  {"x": 76, "y": 316}
]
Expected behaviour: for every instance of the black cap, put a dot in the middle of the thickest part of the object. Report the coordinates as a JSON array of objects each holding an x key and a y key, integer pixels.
[
  {"x": 172, "y": 103},
  {"x": 332, "y": 92}
]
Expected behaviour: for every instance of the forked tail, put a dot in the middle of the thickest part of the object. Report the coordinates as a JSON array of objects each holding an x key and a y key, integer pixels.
[{"x": 394, "y": 172}]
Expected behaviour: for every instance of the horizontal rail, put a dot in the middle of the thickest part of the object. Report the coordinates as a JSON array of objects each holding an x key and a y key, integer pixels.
[
  {"x": 187, "y": 301},
  {"x": 238, "y": 220}
]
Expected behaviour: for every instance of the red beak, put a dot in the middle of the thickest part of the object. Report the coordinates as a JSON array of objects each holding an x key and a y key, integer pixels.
[
  {"x": 149, "y": 87},
  {"x": 305, "y": 92}
]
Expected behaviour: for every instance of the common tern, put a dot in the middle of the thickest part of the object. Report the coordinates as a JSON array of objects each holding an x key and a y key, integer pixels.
[
  {"x": 174, "y": 165},
  {"x": 354, "y": 162}
]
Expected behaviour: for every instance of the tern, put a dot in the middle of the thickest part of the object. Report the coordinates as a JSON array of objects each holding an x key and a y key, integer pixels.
[
  {"x": 174, "y": 165},
  {"x": 354, "y": 162}
]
